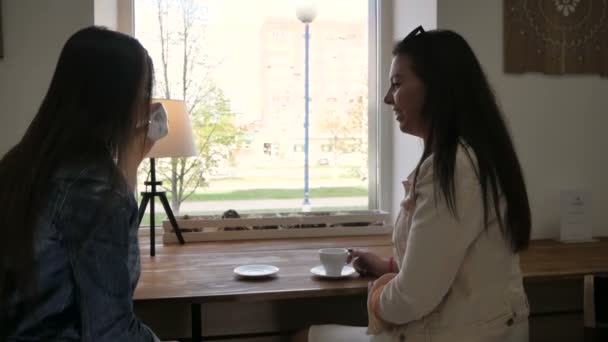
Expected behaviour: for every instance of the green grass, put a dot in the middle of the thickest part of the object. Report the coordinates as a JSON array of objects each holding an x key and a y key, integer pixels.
[
  {"x": 159, "y": 218},
  {"x": 259, "y": 194},
  {"x": 262, "y": 194},
  {"x": 292, "y": 178}
]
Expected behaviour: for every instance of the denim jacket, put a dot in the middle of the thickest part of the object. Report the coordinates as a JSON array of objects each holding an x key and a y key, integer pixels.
[{"x": 87, "y": 263}]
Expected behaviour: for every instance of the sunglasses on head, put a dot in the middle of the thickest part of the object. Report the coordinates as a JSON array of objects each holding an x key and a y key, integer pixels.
[{"x": 417, "y": 31}]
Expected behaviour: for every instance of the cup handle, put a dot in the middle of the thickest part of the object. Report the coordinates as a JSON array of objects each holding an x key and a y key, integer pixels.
[{"x": 349, "y": 250}]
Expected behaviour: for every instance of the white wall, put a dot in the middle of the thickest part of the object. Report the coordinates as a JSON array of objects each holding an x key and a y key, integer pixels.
[
  {"x": 558, "y": 123},
  {"x": 34, "y": 33},
  {"x": 407, "y": 15},
  {"x": 106, "y": 13}
]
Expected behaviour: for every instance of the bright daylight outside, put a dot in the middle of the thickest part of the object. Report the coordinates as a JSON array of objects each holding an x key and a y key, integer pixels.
[{"x": 240, "y": 68}]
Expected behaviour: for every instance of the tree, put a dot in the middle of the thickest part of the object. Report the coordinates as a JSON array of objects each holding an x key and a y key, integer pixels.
[
  {"x": 216, "y": 136},
  {"x": 348, "y": 134},
  {"x": 182, "y": 29},
  {"x": 183, "y": 72},
  {"x": 333, "y": 124}
]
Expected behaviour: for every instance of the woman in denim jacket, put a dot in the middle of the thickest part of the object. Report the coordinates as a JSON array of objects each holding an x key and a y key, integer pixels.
[{"x": 70, "y": 261}]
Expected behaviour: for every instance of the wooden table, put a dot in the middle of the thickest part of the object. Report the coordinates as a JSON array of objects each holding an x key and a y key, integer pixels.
[
  {"x": 550, "y": 259},
  {"x": 199, "y": 273}
]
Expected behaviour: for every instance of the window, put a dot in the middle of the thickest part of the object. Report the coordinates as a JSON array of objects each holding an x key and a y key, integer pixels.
[
  {"x": 246, "y": 140},
  {"x": 279, "y": 34},
  {"x": 267, "y": 149},
  {"x": 235, "y": 68}
]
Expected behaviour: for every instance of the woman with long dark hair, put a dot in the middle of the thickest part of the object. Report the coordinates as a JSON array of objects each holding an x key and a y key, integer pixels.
[
  {"x": 465, "y": 216},
  {"x": 70, "y": 259}
]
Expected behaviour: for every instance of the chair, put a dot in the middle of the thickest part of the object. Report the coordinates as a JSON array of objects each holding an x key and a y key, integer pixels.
[{"x": 595, "y": 307}]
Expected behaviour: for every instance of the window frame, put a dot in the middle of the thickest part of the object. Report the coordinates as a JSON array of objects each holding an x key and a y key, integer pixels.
[{"x": 380, "y": 129}]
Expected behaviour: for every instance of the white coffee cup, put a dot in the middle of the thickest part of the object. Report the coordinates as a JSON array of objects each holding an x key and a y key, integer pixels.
[
  {"x": 159, "y": 123},
  {"x": 333, "y": 260}
]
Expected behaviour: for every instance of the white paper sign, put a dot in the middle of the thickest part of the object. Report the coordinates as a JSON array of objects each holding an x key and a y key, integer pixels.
[{"x": 575, "y": 216}]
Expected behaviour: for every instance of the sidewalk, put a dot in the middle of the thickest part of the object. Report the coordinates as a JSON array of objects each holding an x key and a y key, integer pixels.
[{"x": 272, "y": 204}]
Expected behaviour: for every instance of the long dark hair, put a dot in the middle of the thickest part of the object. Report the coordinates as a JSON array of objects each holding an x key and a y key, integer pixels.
[
  {"x": 460, "y": 106},
  {"x": 102, "y": 83}
]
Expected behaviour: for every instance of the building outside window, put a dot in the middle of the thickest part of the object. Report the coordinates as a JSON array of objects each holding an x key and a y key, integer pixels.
[{"x": 250, "y": 61}]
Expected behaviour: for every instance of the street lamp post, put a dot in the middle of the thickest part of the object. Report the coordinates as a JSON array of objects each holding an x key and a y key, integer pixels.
[{"x": 306, "y": 11}]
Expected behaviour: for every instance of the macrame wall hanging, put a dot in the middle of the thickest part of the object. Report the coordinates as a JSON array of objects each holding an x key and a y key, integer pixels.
[{"x": 556, "y": 36}]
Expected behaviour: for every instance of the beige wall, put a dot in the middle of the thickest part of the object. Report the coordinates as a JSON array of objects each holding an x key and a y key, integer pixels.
[
  {"x": 558, "y": 123},
  {"x": 34, "y": 32}
]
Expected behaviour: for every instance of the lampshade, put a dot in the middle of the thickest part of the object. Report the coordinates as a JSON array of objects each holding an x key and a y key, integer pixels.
[
  {"x": 180, "y": 140},
  {"x": 306, "y": 10}
]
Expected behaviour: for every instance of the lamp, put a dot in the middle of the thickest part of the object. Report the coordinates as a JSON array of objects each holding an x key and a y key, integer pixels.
[
  {"x": 306, "y": 11},
  {"x": 178, "y": 143}
]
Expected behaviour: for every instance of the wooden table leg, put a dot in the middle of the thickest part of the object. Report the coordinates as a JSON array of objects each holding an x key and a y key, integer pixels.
[{"x": 197, "y": 333}]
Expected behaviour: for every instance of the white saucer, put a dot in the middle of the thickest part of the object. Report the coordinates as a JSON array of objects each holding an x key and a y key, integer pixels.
[
  {"x": 347, "y": 271},
  {"x": 256, "y": 271}
]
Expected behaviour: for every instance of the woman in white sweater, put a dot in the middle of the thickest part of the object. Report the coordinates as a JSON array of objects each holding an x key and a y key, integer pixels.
[{"x": 465, "y": 216}]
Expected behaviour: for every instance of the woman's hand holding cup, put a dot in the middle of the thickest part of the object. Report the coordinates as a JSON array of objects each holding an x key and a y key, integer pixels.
[{"x": 367, "y": 263}]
